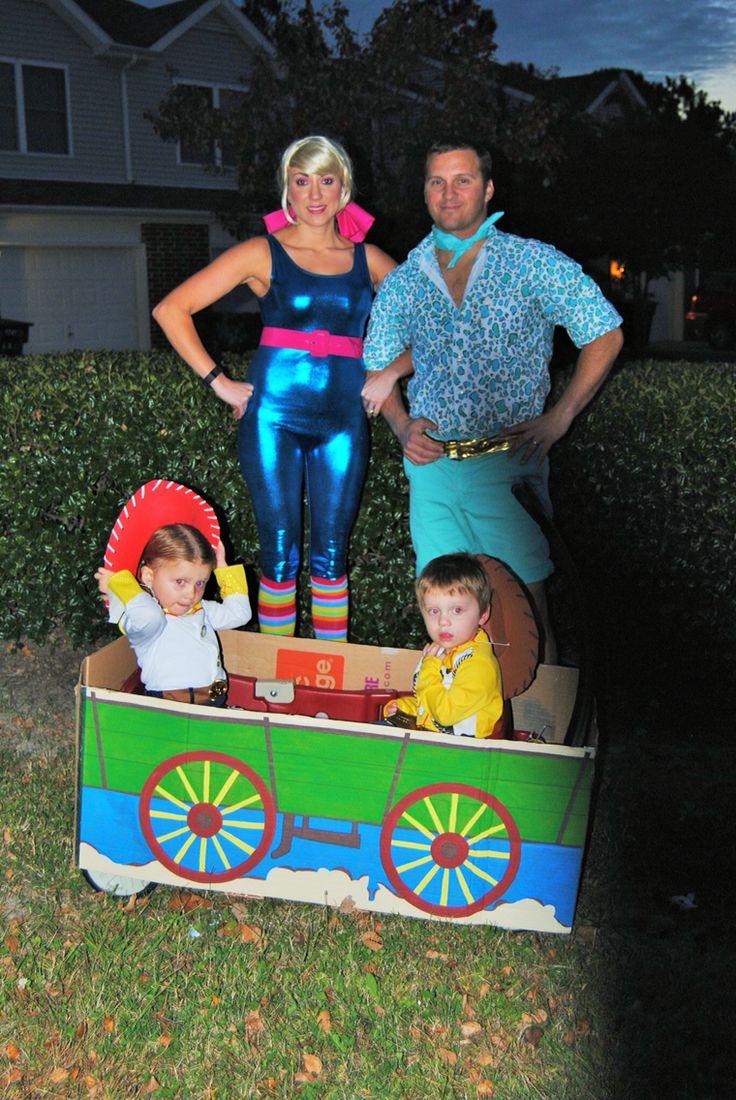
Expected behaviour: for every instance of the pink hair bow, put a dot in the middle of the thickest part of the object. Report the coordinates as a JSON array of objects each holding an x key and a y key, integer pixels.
[{"x": 352, "y": 221}]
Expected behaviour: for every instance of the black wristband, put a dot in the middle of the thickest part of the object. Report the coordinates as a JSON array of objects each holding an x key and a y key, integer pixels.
[{"x": 208, "y": 379}]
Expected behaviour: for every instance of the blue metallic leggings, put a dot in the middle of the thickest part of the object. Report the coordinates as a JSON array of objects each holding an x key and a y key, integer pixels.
[{"x": 293, "y": 440}]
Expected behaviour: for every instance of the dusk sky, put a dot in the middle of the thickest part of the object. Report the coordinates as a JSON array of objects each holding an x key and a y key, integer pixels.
[{"x": 656, "y": 37}]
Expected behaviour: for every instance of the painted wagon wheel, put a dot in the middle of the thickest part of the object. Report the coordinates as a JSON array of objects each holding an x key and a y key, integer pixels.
[
  {"x": 450, "y": 849},
  {"x": 186, "y": 813}
]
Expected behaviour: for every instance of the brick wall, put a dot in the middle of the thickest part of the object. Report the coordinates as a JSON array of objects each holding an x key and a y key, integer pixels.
[{"x": 173, "y": 253}]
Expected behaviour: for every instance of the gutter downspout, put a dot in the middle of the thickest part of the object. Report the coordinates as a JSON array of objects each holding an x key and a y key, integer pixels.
[{"x": 127, "y": 152}]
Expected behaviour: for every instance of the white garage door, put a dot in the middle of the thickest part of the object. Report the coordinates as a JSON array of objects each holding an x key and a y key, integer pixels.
[{"x": 75, "y": 297}]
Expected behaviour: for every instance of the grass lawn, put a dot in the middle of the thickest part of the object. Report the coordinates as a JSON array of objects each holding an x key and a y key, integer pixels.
[{"x": 184, "y": 994}]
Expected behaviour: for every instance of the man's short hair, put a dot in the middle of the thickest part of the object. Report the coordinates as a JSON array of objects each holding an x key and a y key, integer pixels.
[
  {"x": 450, "y": 145},
  {"x": 455, "y": 573}
]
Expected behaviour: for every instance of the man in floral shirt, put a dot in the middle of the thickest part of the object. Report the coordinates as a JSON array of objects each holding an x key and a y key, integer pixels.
[{"x": 478, "y": 309}]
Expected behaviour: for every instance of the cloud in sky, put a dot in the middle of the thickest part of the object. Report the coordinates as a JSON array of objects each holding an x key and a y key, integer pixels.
[{"x": 656, "y": 37}]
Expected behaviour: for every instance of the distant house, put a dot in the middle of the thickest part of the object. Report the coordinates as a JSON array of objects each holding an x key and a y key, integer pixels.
[{"x": 98, "y": 216}]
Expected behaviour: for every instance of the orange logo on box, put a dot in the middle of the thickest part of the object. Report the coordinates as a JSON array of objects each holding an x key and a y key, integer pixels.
[{"x": 323, "y": 670}]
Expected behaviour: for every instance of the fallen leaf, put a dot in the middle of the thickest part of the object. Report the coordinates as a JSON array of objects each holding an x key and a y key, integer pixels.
[
  {"x": 447, "y": 1056},
  {"x": 253, "y": 1024},
  {"x": 470, "y": 1030},
  {"x": 185, "y": 901},
  {"x": 582, "y": 1026},
  {"x": 12, "y": 1077},
  {"x": 324, "y": 1020},
  {"x": 165, "y": 1040},
  {"x": 485, "y": 1058},
  {"x": 485, "y": 1088},
  {"x": 151, "y": 1085},
  {"x": 7, "y": 835},
  {"x": 249, "y": 933},
  {"x": 539, "y": 1016},
  {"x": 108, "y": 1024},
  {"x": 312, "y": 1064},
  {"x": 371, "y": 940},
  {"x": 586, "y": 932},
  {"x": 532, "y": 1035},
  {"x": 347, "y": 905},
  {"x": 432, "y": 954},
  {"x": 58, "y": 1075},
  {"x": 12, "y": 1052},
  {"x": 239, "y": 910},
  {"x": 484, "y": 989},
  {"x": 81, "y": 1029}
]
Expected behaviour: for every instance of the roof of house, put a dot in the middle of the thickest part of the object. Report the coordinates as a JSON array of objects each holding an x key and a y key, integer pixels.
[
  {"x": 115, "y": 25},
  {"x": 581, "y": 93},
  {"x": 132, "y": 25}
]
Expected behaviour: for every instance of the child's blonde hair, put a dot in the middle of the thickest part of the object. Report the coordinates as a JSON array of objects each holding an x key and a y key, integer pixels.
[
  {"x": 455, "y": 573},
  {"x": 315, "y": 154},
  {"x": 177, "y": 542}
]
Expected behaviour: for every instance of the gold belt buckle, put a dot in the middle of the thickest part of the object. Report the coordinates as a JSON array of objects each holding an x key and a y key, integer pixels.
[
  {"x": 472, "y": 448},
  {"x": 217, "y": 689}
]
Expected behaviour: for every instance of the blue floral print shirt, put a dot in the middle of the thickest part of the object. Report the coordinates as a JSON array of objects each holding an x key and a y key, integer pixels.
[{"x": 484, "y": 366}]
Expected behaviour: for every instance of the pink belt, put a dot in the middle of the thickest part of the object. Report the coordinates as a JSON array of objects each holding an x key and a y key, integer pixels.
[{"x": 318, "y": 342}]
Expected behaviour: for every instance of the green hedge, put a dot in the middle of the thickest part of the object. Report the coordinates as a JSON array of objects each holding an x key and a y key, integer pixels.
[
  {"x": 644, "y": 488},
  {"x": 84, "y": 430},
  {"x": 644, "y": 491}
]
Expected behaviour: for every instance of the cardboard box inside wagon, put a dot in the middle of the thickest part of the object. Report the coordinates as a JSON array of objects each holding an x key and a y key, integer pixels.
[{"x": 544, "y": 708}]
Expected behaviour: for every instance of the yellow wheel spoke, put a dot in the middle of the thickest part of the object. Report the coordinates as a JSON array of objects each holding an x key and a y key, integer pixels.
[
  {"x": 237, "y": 842},
  {"x": 171, "y": 797},
  {"x": 226, "y": 786},
  {"x": 185, "y": 848},
  {"x": 410, "y": 844},
  {"x": 220, "y": 853},
  {"x": 500, "y": 828},
  {"x": 433, "y": 814},
  {"x": 246, "y": 825},
  {"x": 464, "y": 886},
  {"x": 418, "y": 825},
  {"x": 481, "y": 874},
  {"x": 202, "y": 853},
  {"x": 186, "y": 784},
  {"x": 170, "y": 836},
  {"x": 472, "y": 820},
  {"x": 414, "y": 863},
  {"x": 453, "y": 812},
  {"x": 169, "y": 816},
  {"x": 240, "y": 805},
  {"x": 206, "y": 791},
  {"x": 490, "y": 853},
  {"x": 445, "y": 889},
  {"x": 427, "y": 878}
]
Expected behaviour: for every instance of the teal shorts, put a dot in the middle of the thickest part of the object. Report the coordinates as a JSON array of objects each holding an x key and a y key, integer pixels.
[{"x": 468, "y": 506}]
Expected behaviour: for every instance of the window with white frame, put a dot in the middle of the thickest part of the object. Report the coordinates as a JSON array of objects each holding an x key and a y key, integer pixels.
[
  {"x": 34, "y": 108},
  {"x": 200, "y": 98}
]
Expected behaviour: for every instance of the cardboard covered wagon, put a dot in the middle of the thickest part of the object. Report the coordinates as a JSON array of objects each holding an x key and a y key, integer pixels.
[{"x": 328, "y": 804}]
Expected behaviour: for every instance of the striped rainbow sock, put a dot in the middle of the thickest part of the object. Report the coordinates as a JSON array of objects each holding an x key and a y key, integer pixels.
[
  {"x": 330, "y": 608},
  {"x": 277, "y": 606}
]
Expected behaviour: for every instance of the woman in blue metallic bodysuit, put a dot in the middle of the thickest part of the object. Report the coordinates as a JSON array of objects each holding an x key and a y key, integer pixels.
[{"x": 302, "y": 422}]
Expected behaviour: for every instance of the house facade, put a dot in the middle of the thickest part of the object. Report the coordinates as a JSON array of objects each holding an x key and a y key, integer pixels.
[{"x": 99, "y": 217}]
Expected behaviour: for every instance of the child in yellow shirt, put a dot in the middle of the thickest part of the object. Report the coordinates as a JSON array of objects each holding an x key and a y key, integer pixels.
[{"x": 457, "y": 684}]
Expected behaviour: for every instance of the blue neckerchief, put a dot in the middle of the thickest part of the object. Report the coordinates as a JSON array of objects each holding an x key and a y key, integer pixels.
[{"x": 448, "y": 242}]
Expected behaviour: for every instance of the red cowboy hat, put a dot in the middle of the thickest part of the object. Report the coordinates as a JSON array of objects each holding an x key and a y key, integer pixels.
[{"x": 152, "y": 506}]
